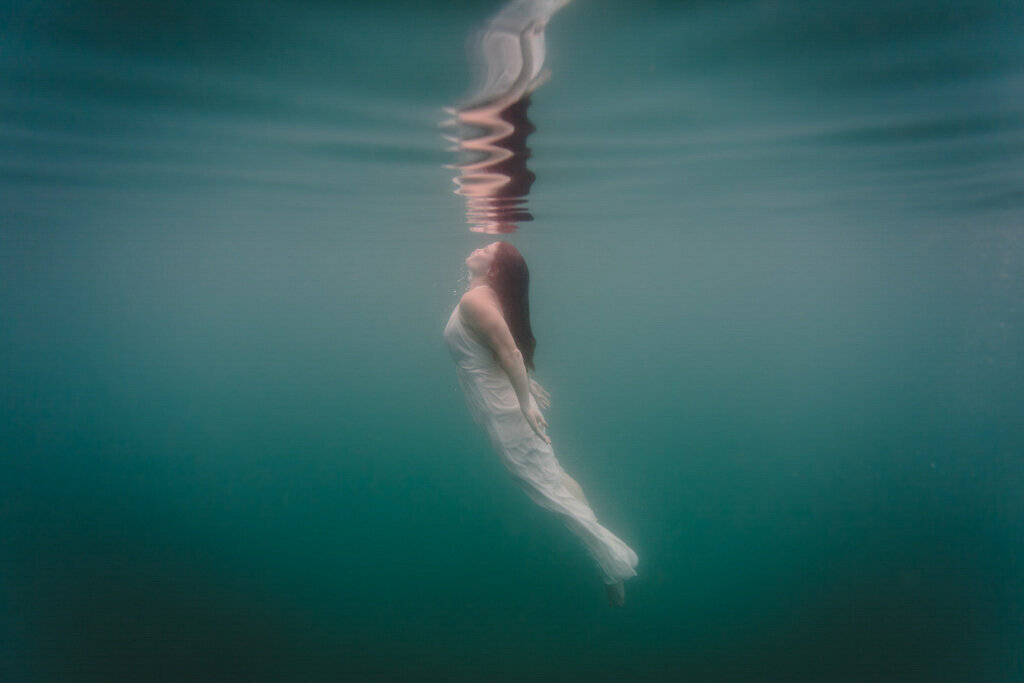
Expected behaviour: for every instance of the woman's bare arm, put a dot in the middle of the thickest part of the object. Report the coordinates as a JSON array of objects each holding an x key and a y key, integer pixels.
[{"x": 482, "y": 312}]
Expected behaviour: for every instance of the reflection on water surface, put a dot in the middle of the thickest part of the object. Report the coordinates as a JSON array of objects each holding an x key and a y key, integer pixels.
[{"x": 492, "y": 126}]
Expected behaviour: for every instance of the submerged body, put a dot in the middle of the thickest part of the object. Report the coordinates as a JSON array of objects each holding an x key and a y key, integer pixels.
[{"x": 526, "y": 452}]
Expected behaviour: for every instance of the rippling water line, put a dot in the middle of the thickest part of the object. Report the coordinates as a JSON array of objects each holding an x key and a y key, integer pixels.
[{"x": 492, "y": 126}]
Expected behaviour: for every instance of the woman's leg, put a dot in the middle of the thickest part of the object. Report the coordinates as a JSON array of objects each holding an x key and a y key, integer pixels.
[
  {"x": 574, "y": 488},
  {"x": 616, "y": 594}
]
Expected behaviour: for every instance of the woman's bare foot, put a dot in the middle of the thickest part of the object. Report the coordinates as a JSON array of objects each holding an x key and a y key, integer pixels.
[{"x": 616, "y": 594}]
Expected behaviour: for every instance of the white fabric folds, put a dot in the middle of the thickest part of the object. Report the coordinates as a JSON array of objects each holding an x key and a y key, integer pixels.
[{"x": 494, "y": 406}]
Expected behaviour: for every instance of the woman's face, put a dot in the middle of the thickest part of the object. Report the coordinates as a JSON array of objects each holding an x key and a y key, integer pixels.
[{"x": 479, "y": 262}]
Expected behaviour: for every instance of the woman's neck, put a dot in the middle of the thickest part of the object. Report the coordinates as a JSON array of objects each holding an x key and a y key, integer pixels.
[{"x": 478, "y": 281}]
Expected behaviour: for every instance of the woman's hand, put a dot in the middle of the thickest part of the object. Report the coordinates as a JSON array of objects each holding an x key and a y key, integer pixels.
[
  {"x": 537, "y": 421},
  {"x": 542, "y": 397}
]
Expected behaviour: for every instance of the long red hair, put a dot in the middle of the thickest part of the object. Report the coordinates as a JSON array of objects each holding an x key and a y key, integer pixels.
[{"x": 510, "y": 279}]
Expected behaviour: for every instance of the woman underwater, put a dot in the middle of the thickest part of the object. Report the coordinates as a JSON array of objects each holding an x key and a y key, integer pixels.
[{"x": 490, "y": 339}]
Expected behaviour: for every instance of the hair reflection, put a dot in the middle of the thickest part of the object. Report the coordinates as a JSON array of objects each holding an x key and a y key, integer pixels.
[{"x": 493, "y": 126}]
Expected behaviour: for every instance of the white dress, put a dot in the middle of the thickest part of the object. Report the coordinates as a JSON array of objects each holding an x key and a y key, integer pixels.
[{"x": 495, "y": 407}]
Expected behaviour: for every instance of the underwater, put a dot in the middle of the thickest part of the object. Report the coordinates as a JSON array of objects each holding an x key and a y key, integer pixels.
[{"x": 776, "y": 258}]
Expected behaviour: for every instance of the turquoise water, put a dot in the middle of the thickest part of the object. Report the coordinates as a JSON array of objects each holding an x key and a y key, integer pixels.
[{"x": 777, "y": 273}]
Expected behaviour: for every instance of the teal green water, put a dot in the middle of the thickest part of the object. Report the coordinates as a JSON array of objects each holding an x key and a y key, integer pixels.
[{"x": 777, "y": 275}]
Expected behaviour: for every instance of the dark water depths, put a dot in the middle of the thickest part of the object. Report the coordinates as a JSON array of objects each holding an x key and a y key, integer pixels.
[{"x": 777, "y": 270}]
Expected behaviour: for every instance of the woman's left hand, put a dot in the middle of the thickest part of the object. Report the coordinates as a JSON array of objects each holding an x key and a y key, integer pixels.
[{"x": 537, "y": 421}]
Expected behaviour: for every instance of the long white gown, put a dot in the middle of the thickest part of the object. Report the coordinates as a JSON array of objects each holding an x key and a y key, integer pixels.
[{"x": 495, "y": 407}]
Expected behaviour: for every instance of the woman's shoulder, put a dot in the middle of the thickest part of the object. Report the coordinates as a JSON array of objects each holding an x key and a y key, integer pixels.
[
  {"x": 479, "y": 296},
  {"x": 479, "y": 302}
]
